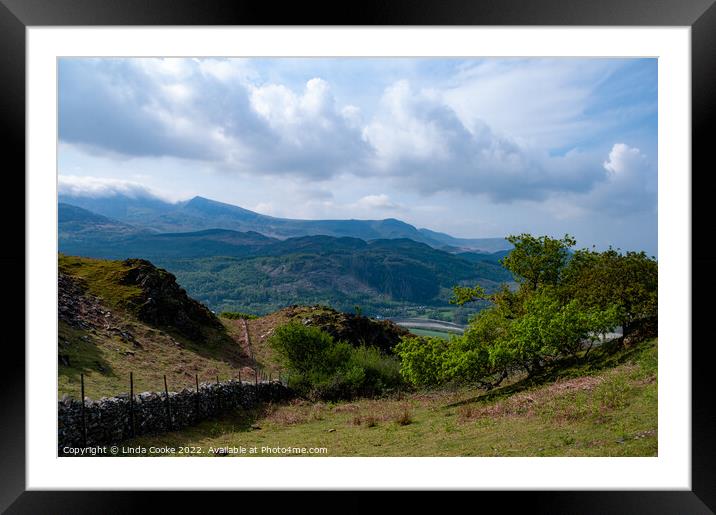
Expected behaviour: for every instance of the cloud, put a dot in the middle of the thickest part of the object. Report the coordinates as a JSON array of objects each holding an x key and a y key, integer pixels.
[
  {"x": 96, "y": 187},
  {"x": 207, "y": 110},
  {"x": 629, "y": 188},
  {"x": 311, "y": 135},
  {"x": 463, "y": 135},
  {"x": 553, "y": 102},
  {"x": 423, "y": 142},
  {"x": 631, "y": 184},
  {"x": 380, "y": 201}
]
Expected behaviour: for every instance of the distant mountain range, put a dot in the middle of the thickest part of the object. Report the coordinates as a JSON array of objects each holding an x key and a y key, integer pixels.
[
  {"x": 200, "y": 213},
  {"x": 249, "y": 271}
]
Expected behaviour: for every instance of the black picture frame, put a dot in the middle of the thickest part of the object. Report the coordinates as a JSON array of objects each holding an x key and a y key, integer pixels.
[{"x": 700, "y": 15}]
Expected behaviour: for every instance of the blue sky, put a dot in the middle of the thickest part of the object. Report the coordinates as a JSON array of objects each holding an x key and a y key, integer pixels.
[{"x": 472, "y": 147}]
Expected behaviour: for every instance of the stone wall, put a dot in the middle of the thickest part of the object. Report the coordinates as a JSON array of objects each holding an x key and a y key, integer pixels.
[{"x": 108, "y": 420}]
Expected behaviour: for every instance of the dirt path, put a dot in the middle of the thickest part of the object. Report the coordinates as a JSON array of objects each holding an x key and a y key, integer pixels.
[
  {"x": 246, "y": 339},
  {"x": 239, "y": 331}
]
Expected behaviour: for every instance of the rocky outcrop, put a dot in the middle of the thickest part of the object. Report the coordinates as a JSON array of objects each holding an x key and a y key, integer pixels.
[
  {"x": 75, "y": 306},
  {"x": 164, "y": 303},
  {"x": 354, "y": 329}
]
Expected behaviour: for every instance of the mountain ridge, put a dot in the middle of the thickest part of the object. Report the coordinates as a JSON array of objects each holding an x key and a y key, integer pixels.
[
  {"x": 201, "y": 213},
  {"x": 248, "y": 271}
]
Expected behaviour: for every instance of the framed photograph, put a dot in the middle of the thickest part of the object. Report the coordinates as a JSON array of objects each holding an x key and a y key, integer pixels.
[{"x": 412, "y": 248}]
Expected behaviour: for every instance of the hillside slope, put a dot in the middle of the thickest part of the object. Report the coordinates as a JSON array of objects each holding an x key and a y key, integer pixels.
[
  {"x": 117, "y": 317},
  {"x": 607, "y": 407}
]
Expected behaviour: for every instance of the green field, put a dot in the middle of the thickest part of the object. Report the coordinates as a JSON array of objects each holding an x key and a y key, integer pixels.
[
  {"x": 428, "y": 332},
  {"x": 607, "y": 407}
]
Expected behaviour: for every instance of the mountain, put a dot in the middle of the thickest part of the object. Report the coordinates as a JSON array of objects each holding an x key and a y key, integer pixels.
[
  {"x": 247, "y": 271},
  {"x": 200, "y": 213},
  {"x": 477, "y": 257},
  {"x": 474, "y": 244}
]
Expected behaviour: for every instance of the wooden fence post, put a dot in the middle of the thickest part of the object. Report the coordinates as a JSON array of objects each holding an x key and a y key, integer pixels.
[
  {"x": 169, "y": 408},
  {"x": 84, "y": 422},
  {"x": 131, "y": 404}
]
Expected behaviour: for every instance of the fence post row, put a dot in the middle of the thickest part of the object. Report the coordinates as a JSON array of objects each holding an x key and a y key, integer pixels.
[{"x": 259, "y": 375}]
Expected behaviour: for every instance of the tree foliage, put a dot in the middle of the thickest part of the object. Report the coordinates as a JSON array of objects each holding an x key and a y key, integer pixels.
[
  {"x": 537, "y": 261},
  {"x": 564, "y": 303},
  {"x": 628, "y": 281}
]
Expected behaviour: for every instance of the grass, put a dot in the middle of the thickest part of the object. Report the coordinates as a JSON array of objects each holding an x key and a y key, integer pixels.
[
  {"x": 102, "y": 278},
  {"x": 106, "y": 361},
  {"x": 590, "y": 410}
]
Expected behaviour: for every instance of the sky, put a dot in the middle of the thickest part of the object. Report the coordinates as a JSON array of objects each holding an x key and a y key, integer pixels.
[{"x": 472, "y": 147}]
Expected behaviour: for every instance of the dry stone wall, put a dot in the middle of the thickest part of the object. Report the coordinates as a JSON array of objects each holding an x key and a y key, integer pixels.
[{"x": 111, "y": 420}]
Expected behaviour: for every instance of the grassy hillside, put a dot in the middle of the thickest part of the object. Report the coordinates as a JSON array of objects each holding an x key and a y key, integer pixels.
[
  {"x": 107, "y": 329},
  {"x": 607, "y": 407}
]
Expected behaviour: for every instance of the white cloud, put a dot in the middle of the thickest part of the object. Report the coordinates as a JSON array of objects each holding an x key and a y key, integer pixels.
[
  {"x": 483, "y": 131},
  {"x": 629, "y": 187},
  {"x": 539, "y": 101},
  {"x": 380, "y": 201},
  {"x": 97, "y": 187},
  {"x": 423, "y": 142},
  {"x": 631, "y": 184},
  {"x": 624, "y": 162}
]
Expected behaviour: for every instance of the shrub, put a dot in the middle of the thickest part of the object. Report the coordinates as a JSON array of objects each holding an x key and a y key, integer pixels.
[
  {"x": 305, "y": 349},
  {"x": 326, "y": 369},
  {"x": 380, "y": 372}
]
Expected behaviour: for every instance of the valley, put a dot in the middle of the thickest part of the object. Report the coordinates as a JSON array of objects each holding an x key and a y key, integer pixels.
[{"x": 228, "y": 270}]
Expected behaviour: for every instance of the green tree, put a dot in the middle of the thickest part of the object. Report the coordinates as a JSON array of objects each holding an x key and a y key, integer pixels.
[
  {"x": 550, "y": 329},
  {"x": 482, "y": 354},
  {"x": 537, "y": 261},
  {"x": 628, "y": 281}
]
